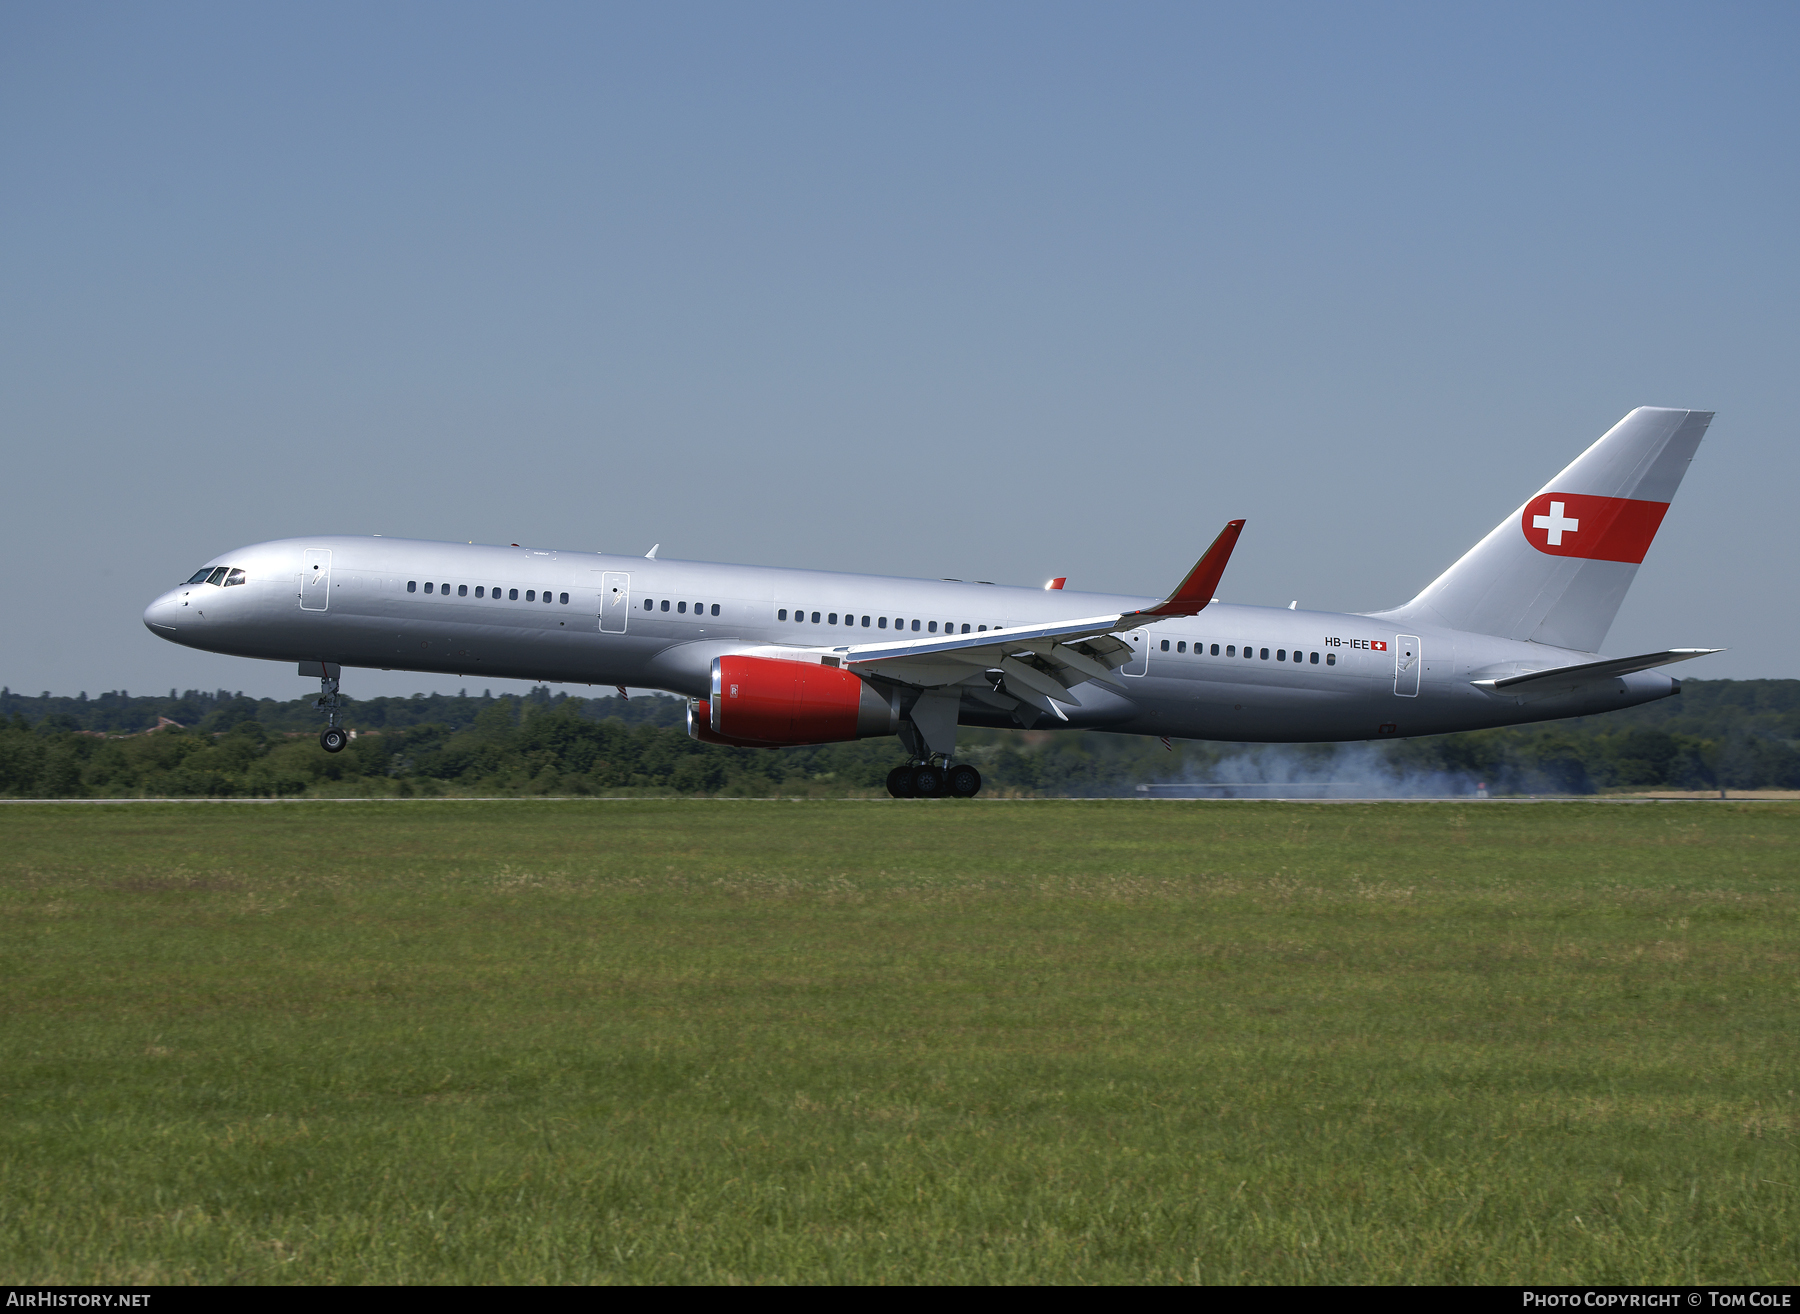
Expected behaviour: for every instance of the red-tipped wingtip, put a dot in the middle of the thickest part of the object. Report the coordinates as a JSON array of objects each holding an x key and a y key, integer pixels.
[{"x": 1202, "y": 581}]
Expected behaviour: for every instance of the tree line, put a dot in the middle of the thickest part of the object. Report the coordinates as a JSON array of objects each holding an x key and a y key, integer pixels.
[{"x": 1736, "y": 734}]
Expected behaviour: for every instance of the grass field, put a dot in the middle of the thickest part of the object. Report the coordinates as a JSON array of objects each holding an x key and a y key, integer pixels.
[{"x": 900, "y": 1042}]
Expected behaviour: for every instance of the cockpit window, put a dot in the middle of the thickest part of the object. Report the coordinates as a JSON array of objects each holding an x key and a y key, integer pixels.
[
  {"x": 200, "y": 575},
  {"x": 217, "y": 575},
  {"x": 235, "y": 577}
]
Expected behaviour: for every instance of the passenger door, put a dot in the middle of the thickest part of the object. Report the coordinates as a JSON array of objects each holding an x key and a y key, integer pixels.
[
  {"x": 1408, "y": 660},
  {"x": 615, "y": 601},
  {"x": 315, "y": 579}
]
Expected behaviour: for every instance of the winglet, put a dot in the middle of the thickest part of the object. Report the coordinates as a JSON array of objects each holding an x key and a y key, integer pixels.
[{"x": 1196, "y": 590}]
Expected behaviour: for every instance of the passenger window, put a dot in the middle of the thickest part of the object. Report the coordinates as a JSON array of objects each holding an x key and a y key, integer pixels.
[
  {"x": 563, "y": 598},
  {"x": 865, "y": 622},
  {"x": 681, "y": 607},
  {"x": 531, "y": 596},
  {"x": 1165, "y": 645},
  {"x": 782, "y": 614},
  {"x": 833, "y": 618},
  {"x": 1314, "y": 659},
  {"x": 462, "y": 590},
  {"x": 1280, "y": 654},
  {"x": 412, "y": 586},
  {"x": 1265, "y": 654},
  {"x": 881, "y": 623},
  {"x": 480, "y": 592},
  {"x": 1231, "y": 650},
  {"x": 1215, "y": 650},
  {"x": 931, "y": 628},
  {"x": 715, "y": 609},
  {"x": 982, "y": 629},
  {"x": 1331, "y": 659},
  {"x": 665, "y": 604},
  {"x": 428, "y": 586},
  {"x": 512, "y": 595},
  {"x": 815, "y": 619},
  {"x": 965, "y": 628},
  {"x": 649, "y": 603},
  {"x": 1182, "y": 647},
  {"x": 916, "y": 627}
]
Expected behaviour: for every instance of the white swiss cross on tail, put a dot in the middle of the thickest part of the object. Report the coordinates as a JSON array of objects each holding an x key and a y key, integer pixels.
[
  {"x": 1590, "y": 526},
  {"x": 1555, "y": 523}
]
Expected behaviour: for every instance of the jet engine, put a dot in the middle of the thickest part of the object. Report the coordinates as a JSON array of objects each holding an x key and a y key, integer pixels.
[{"x": 767, "y": 702}]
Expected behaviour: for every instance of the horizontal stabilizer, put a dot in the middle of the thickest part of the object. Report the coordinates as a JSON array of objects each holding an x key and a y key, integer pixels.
[{"x": 1541, "y": 682}]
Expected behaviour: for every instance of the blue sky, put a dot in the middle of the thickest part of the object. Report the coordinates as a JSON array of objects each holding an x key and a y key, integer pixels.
[{"x": 994, "y": 291}]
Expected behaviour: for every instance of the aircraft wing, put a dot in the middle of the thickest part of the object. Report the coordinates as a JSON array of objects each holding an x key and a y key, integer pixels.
[
  {"x": 1040, "y": 663},
  {"x": 1570, "y": 677}
]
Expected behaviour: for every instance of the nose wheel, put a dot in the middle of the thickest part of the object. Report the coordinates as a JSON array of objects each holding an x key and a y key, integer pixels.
[
  {"x": 924, "y": 780},
  {"x": 333, "y": 738}
]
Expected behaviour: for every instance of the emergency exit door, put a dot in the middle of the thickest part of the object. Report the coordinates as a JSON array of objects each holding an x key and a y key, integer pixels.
[{"x": 1140, "y": 653}]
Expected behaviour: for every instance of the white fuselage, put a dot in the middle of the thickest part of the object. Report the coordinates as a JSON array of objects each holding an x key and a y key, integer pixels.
[{"x": 1239, "y": 673}]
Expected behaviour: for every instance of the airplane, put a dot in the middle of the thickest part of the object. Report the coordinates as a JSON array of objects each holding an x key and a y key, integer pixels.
[{"x": 772, "y": 658}]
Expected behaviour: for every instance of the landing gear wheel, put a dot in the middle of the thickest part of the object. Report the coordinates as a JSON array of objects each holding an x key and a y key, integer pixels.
[
  {"x": 928, "y": 782},
  {"x": 965, "y": 781},
  {"x": 334, "y": 740},
  {"x": 899, "y": 782}
]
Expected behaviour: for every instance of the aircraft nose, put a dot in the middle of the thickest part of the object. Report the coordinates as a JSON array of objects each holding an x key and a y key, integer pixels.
[{"x": 160, "y": 617}]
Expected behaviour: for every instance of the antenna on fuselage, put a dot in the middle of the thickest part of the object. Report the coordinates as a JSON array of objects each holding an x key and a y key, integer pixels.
[{"x": 651, "y": 554}]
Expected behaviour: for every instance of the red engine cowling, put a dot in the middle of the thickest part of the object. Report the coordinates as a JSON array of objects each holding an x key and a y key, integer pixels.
[
  {"x": 699, "y": 726},
  {"x": 767, "y": 702}
]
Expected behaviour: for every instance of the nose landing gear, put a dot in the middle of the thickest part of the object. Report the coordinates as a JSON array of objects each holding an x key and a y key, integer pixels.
[{"x": 333, "y": 738}]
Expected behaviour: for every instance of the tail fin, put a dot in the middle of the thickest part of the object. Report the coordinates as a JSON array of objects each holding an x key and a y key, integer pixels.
[{"x": 1556, "y": 570}]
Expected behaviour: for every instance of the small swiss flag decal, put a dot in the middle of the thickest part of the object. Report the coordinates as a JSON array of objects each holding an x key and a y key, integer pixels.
[
  {"x": 1379, "y": 645},
  {"x": 1597, "y": 528}
]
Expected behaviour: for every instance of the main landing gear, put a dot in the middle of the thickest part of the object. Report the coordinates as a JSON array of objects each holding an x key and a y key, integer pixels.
[
  {"x": 929, "y": 780},
  {"x": 928, "y": 734}
]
